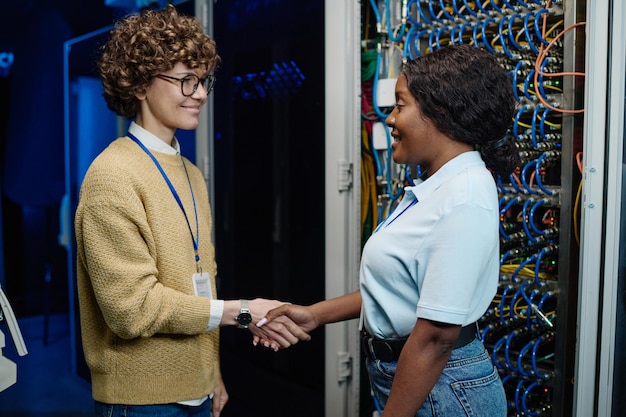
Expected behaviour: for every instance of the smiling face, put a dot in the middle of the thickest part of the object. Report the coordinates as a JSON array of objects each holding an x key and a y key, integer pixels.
[
  {"x": 417, "y": 141},
  {"x": 163, "y": 107}
]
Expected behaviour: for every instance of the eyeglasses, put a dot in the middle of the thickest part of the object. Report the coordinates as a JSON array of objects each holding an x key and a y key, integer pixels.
[{"x": 189, "y": 83}]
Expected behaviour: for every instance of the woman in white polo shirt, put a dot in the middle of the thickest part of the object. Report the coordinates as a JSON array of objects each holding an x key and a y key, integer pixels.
[{"x": 431, "y": 268}]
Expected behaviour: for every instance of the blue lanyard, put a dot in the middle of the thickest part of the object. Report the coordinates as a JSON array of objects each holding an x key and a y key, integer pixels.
[
  {"x": 196, "y": 240},
  {"x": 388, "y": 222}
]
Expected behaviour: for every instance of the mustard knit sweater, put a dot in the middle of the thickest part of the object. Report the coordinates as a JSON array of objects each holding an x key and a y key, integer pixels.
[{"x": 143, "y": 329}]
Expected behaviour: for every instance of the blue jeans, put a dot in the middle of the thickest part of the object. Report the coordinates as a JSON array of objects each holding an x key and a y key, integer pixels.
[
  {"x": 155, "y": 410},
  {"x": 469, "y": 385}
]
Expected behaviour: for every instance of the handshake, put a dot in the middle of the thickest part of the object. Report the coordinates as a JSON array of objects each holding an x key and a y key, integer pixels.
[{"x": 277, "y": 325}]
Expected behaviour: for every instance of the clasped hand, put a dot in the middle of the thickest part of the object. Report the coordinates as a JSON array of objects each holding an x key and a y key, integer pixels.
[{"x": 283, "y": 326}]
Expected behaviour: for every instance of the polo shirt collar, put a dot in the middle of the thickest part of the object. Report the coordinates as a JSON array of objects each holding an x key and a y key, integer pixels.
[{"x": 423, "y": 188}]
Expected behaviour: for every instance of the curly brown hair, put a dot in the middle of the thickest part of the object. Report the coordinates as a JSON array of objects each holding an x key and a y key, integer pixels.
[{"x": 145, "y": 44}]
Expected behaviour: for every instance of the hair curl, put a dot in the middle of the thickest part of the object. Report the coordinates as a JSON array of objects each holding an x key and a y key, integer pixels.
[
  {"x": 145, "y": 44},
  {"x": 467, "y": 94}
]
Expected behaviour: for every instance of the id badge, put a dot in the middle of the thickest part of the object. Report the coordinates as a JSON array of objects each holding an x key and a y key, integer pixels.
[{"x": 202, "y": 284}]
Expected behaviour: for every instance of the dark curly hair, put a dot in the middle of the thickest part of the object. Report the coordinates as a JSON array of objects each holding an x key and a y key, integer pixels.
[
  {"x": 145, "y": 44},
  {"x": 468, "y": 95}
]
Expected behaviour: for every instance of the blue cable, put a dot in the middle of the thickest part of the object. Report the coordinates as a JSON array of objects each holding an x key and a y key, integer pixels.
[
  {"x": 407, "y": 174},
  {"x": 517, "y": 399},
  {"x": 445, "y": 12},
  {"x": 501, "y": 306},
  {"x": 528, "y": 165},
  {"x": 518, "y": 115},
  {"x": 521, "y": 266},
  {"x": 410, "y": 16},
  {"x": 485, "y": 332},
  {"x": 527, "y": 85},
  {"x": 507, "y": 4},
  {"x": 410, "y": 40},
  {"x": 496, "y": 7},
  {"x": 533, "y": 129},
  {"x": 505, "y": 48},
  {"x": 376, "y": 12},
  {"x": 507, "y": 347},
  {"x": 521, "y": 291},
  {"x": 494, "y": 351},
  {"x": 534, "y": 359},
  {"x": 526, "y": 6},
  {"x": 505, "y": 209},
  {"x": 463, "y": 30},
  {"x": 531, "y": 238},
  {"x": 542, "y": 129},
  {"x": 474, "y": 34},
  {"x": 389, "y": 29},
  {"x": 515, "y": 186},
  {"x": 538, "y": 176},
  {"x": 516, "y": 71},
  {"x": 511, "y": 37},
  {"x": 438, "y": 35},
  {"x": 432, "y": 12},
  {"x": 374, "y": 86},
  {"x": 532, "y": 215},
  {"x": 527, "y": 412},
  {"x": 504, "y": 257},
  {"x": 455, "y": 7},
  {"x": 483, "y": 31},
  {"x": 543, "y": 299},
  {"x": 527, "y": 32},
  {"x": 452, "y": 35},
  {"x": 520, "y": 357},
  {"x": 421, "y": 12},
  {"x": 418, "y": 36},
  {"x": 468, "y": 8},
  {"x": 538, "y": 26},
  {"x": 542, "y": 252},
  {"x": 480, "y": 7},
  {"x": 503, "y": 190}
]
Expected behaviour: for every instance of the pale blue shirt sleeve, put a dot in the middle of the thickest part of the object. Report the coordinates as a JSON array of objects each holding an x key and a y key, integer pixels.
[{"x": 462, "y": 249}]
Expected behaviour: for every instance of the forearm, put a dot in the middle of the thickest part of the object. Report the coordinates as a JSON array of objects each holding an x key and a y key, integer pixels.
[
  {"x": 337, "y": 309},
  {"x": 258, "y": 307},
  {"x": 420, "y": 365}
]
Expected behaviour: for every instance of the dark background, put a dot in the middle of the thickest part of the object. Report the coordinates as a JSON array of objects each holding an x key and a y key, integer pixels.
[{"x": 269, "y": 176}]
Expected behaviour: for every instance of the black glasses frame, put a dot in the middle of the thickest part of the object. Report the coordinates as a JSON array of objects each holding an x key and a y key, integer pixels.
[{"x": 208, "y": 82}]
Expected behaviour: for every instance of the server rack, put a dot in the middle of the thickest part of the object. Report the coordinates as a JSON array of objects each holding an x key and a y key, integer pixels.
[{"x": 530, "y": 328}]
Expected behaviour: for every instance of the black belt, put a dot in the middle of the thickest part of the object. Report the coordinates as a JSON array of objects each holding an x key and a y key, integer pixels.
[{"x": 388, "y": 350}]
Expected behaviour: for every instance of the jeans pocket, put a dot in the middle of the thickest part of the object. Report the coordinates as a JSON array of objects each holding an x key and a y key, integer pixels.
[
  {"x": 482, "y": 396},
  {"x": 386, "y": 370}
]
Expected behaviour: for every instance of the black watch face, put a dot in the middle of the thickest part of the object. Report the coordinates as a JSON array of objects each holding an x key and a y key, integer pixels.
[{"x": 244, "y": 319}]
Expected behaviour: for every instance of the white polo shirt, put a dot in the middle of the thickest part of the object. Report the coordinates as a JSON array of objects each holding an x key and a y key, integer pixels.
[{"x": 437, "y": 258}]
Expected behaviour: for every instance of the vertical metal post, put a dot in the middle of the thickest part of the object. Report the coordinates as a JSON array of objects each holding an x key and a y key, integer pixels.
[
  {"x": 342, "y": 254},
  {"x": 614, "y": 166},
  {"x": 205, "y": 131},
  {"x": 593, "y": 201}
]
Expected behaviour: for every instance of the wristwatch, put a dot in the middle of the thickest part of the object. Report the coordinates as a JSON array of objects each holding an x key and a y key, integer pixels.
[{"x": 244, "y": 318}]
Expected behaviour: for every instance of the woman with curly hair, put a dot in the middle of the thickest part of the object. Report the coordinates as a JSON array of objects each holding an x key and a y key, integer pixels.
[
  {"x": 146, "y": 268},
  {"x": 431, "y": 269}
]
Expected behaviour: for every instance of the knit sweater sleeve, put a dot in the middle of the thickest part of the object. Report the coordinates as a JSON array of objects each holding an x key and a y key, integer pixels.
[{"x": 135, "y": 248}]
